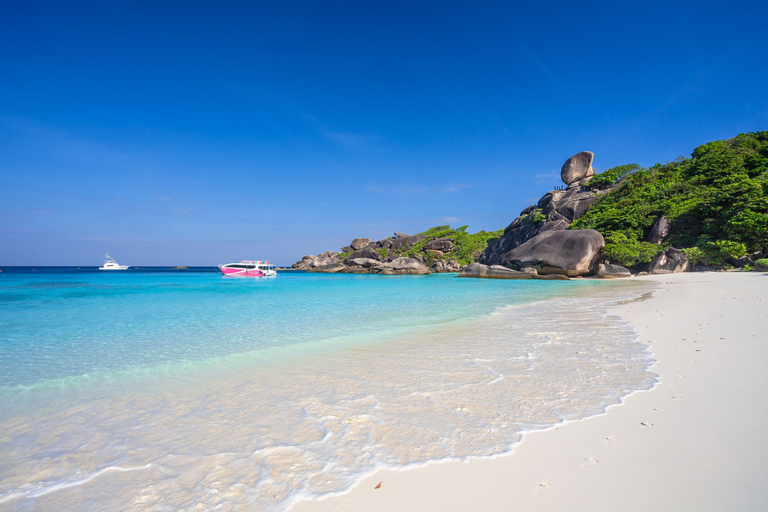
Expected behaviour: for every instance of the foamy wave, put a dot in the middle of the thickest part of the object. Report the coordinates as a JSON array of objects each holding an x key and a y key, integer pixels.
[{"x": 42, "y": 490}]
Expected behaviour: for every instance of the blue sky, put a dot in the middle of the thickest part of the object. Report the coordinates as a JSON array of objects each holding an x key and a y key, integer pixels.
[{"x": 197, "y": 133}]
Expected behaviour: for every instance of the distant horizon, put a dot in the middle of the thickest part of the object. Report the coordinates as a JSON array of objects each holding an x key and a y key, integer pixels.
[{"x": 185, "y": 133}]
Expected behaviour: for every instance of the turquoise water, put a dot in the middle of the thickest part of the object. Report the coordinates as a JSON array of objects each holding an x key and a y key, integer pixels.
[
  {"x": 63, "y": 325},
  {"x": 133, "y": 390}
]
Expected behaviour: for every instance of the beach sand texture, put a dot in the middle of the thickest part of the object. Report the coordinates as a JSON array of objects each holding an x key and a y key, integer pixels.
[{"x": 698, "y": 441}]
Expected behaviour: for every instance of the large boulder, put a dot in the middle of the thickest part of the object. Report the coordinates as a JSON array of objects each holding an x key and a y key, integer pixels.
[
  {"x": 571, "y": 253},
  {"x": 558, "y": 209},
  {"x": 324, "y": 258},
  {"x": 660, "y": 230},
  {"x": 304, "y": 263},
  {"x": 567, "y": 205},
  {"x": 577, "y": 168},
  {"x": 494, "y": 272},
  {"x": 366, "y": 252},
  {"x": 363, "y": 262},
  {"x": 439, "y": 244},
  {"x": 404, "y": 266},
  {"x": 404, "y": 242},
  {"x": 446, "y": 266},
  {"x": 670, "y": 261},
  {"x": 330, "y": 268},
  {"x": 608, "y": 271},
  {"x": 359, "y": 243},
  {"x": 516, "y": 234}
]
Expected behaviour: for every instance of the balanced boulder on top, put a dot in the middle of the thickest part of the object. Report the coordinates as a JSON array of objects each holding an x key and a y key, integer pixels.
[{"x": 578, "y": 167}]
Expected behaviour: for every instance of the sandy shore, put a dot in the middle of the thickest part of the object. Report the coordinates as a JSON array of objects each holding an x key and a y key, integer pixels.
[{"x": 698, "y": 441}]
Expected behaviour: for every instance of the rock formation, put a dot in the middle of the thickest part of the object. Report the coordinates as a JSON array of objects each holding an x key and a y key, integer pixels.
[
  {"x": 404, "y": 242},
  {"x": 570, "y": 253},
  {"x": 660, "y": 230},
  {"x": 359, "y": 243},
  {"x": 365, "y": 252},
  {"x": 495, "y": 272},
  {"x": 577, "y": 168},
  {"x": 554, "y": 212},
  {"x": 404, "y": 266},
  {"x": 670, "y": 261},
  {"x": 362, "y": 256},
  {"x": 439, "y": 244},
  {"x": 608, "y": 271}
]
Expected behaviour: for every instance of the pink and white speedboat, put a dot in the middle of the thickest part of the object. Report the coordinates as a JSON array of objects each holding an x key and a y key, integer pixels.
[{"x": 249, "y": 268}]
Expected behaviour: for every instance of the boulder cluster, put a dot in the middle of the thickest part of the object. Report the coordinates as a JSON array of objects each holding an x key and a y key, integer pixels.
[
  {"x": 539, "y": 237},
  {"x": 539, "y": 243},
  {"x": 363, "y": 256}
]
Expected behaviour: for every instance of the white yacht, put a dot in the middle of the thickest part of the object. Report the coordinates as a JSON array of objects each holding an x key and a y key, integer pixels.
[{"x": 111, "y": 264}]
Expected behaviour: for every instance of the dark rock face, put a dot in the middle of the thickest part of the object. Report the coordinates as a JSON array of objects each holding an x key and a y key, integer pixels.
[
  {"x": 494, "y": 272},
  {"x": 670, "y": 261},
  {"x": 567, "y": 205},
  {"x": 366, "y": 252},
  {"x": 439, "y": 244},
  {"x": 571, "y": 253},
  {"x": 608, "y": 271},
  {"x": 304, "y": 263},
  {"x": 347, "y": 248},
  {"x": 326, "y": 258},
  {"x": 329, "y": 268},
  {"x": 404, "y": 242},
  {"x": 739, "y": 262},
  {"x": 359, "y": 243},
  {"x": 558, "y": 209},
  {"x": 660, "y": 230},
  {"x": 578, "y": 167},
  {"x": 363, "y": 262},
  {"x": 515, "y": 235}
]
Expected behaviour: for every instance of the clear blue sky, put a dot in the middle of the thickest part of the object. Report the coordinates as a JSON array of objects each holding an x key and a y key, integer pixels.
[{"x": 197, "y": 133}]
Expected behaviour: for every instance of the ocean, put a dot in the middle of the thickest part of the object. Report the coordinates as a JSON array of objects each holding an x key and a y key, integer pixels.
[{"x": 183, "y": 389}]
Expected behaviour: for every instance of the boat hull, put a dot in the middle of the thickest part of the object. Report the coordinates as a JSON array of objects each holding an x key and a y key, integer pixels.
[{"x": 241, "y": 272}]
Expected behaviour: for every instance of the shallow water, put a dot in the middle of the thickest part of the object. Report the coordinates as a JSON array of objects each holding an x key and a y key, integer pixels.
[{"x": 149, "y": 390}]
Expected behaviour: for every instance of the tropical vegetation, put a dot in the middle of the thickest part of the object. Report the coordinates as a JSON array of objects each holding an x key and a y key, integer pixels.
[
  {"x": 466, "y": 246},
  {"x": 716, "y": 201}
]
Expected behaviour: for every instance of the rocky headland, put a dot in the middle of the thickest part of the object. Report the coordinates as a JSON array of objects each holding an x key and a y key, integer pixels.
[
  {"x": 440, "y": 249},
  {"x": 708, "y": 212}
]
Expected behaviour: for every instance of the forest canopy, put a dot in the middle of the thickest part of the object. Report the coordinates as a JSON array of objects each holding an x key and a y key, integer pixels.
[{"x": 716, "y": 201}]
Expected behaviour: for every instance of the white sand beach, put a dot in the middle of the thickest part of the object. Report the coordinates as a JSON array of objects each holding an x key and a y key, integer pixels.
[{"x": 698, "y": 441}]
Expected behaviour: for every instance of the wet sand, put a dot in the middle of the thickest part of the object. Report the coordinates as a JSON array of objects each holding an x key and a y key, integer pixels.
[{"x": 698, "y": 441}]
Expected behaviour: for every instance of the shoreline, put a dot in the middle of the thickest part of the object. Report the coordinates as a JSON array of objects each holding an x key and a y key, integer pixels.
[{"x": 692, "y": 442}]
